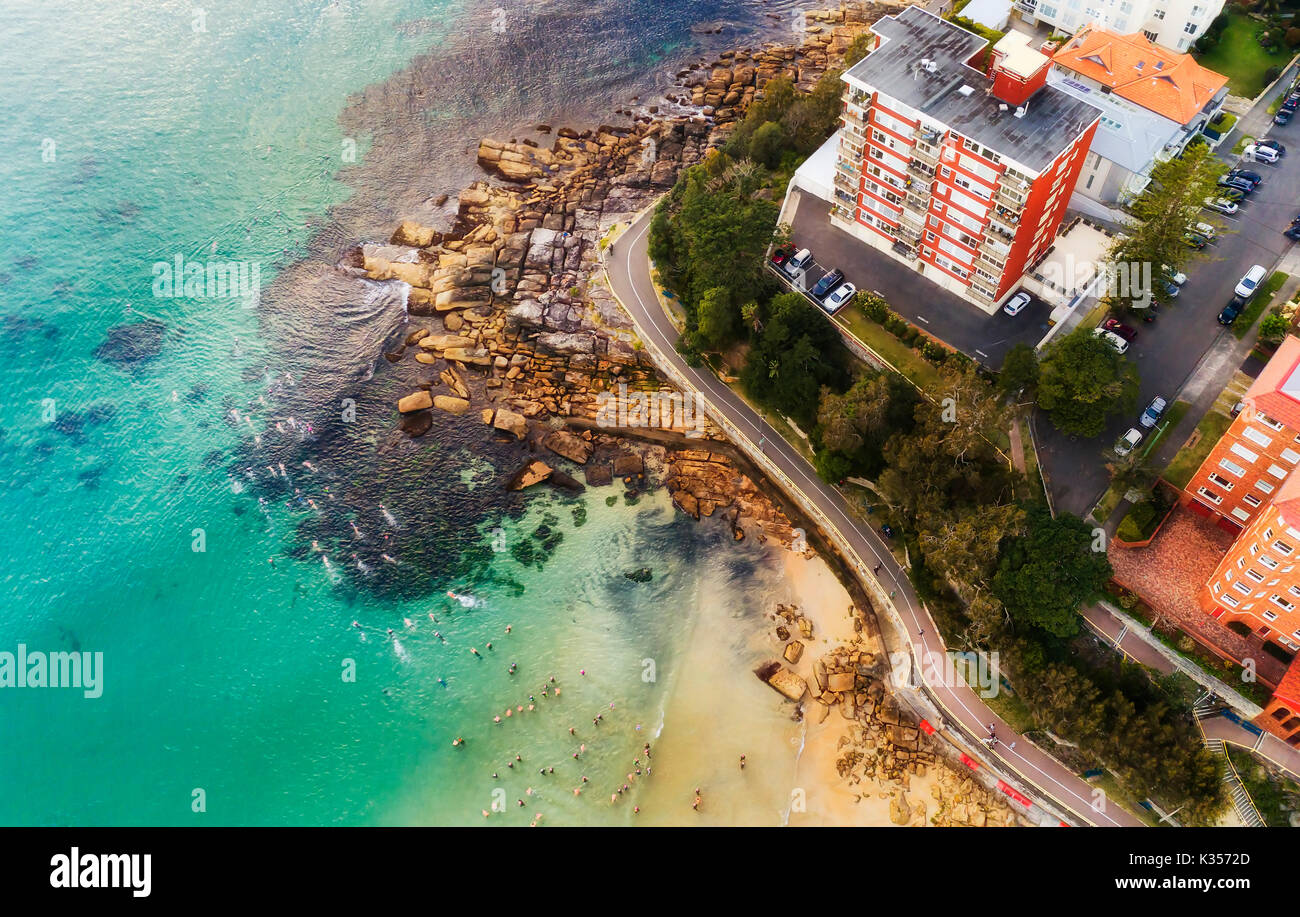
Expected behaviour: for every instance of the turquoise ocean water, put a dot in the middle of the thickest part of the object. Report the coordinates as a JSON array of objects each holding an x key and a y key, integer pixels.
[{"x": 136, "y": 428}]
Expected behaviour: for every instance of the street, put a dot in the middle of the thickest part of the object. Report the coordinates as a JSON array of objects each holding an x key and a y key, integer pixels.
[
  {"x": 628, "y": 271},
  {"x": 1169, "y": 350}
]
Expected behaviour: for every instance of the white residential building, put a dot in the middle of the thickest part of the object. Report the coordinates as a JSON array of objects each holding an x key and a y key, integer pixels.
[
  {"x": 1175, "y": 24},
  {"x": 1153, "y": 102}
]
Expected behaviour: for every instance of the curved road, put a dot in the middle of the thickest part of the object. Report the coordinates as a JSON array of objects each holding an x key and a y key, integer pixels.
[{"x": 628, "y": 270}]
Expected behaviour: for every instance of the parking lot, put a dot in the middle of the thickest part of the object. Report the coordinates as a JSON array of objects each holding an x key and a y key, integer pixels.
[
  {"x": 1168, "y": 351},
  {"x": 927, "y": 305}
]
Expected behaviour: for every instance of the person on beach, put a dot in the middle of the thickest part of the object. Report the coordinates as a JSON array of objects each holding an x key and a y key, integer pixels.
[
  {"x": 877, "y": 569},
  {"x": 742, "y": 762}
]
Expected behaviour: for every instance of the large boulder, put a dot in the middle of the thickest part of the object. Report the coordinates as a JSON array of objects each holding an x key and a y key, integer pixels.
[
  {"x": 450, "y": 405},
  {"x": 417, "y": 401},
  {"x": 788, "y": 683},
  {"x": 444, "y": 341},
  {"x": 533, "y": 473},
  {"x": 412, "y": 233},
  {"x": 572, "y": 447},
  {"x": 511, "y": 422}
]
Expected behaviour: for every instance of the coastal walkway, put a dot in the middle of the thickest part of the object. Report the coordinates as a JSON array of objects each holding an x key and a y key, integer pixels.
[{"x": 964, "y": 718}]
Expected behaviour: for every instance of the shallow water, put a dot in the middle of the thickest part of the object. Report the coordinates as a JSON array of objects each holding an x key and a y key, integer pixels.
[{"x": 204, "y": 488}]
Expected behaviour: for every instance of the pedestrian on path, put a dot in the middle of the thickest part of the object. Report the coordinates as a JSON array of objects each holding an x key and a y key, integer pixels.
[
  {"x": 921, "y": 633},
  {"x": 1011, "y": 747},
  {"x": 877, "y": 569},
  {"x": 891, "y": 593}
]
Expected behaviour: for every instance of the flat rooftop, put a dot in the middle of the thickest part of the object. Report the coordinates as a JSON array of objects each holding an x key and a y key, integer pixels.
[{"x": 1050, "y": 124}]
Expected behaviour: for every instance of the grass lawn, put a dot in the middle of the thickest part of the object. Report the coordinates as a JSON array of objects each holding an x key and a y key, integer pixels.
[
  {"x": 917, "y": 370},
  {"x": 1212, "y": 426},
  {"x": 1239, "y": 57},
  {"x": 1246, "y": 320},
  {"x": 1171, "y": 420},
  {"x": 1225, "y": 122}
]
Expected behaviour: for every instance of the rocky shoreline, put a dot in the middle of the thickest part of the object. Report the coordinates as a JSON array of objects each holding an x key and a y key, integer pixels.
[
  {"x": 512, "y": 316},
  {"x": 518, "y": 328}
]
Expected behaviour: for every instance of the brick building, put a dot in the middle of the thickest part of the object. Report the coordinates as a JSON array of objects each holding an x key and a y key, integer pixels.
[{"x": 955, "y": 159}]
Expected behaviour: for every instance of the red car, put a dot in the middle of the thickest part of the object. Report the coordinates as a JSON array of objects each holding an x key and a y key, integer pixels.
[
  {"x": 782, "y": 254},
  {"x": 1125, "y": 331}
]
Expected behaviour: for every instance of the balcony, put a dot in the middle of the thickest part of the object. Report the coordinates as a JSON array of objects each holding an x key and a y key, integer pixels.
[
  {"x": 1010, "y": 217},
  {"x": 927, "y": 155},
  {"x": 1004, "y": 231},
  {"x": 921, "y": 170},
  {"x": 1008, "y": 201}
]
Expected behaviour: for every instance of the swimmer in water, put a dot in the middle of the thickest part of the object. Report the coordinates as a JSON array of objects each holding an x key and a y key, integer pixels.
[
  {"x": 410, "y": 625},
  {"x": 355, "y": 531},
  {"x": 309, "y": 466},
  {"x": 315, "y": 546},
  {"x": 387, "y": 559}
]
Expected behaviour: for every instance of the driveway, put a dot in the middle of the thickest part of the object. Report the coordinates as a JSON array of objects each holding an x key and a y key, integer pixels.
[
  {"x": 1180, "y": 342},
  {"x": 914, "y": 296}
]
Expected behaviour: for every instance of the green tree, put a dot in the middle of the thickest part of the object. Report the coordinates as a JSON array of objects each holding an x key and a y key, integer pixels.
[
  {"x": 1019, "y": 368},
  {"x": 717, "y": 318},
  {"x": 768, "y": 144},
  {"x": 858, "y": 48},
  {"x": 1173, "y": 200},
  {"x": 796, "y": 354},
  {"x": 1045, "y": 574},
  {"x": 1273, "y": 328},
  {"x": 1082, "y": 381}
]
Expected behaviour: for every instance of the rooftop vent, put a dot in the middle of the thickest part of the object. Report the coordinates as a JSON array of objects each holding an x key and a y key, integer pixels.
[
  {"x": 1002, "y": 106},
  {"x": 965, "y": 89},
  {"x": 1020, "y": 112}
]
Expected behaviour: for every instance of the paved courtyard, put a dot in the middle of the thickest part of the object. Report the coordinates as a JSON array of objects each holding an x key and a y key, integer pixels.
[{"x": 1167, "y": 574}]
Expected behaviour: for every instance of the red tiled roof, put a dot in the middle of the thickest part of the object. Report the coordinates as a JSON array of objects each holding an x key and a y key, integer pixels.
[
  {"x": 1135, "y": 68},
  {"x": 1277, "y": 390}
]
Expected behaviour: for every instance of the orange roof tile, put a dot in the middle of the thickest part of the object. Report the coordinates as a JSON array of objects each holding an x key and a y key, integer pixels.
[
  {"x": 1276, "y": 391},
  {"x": 1135, "y": 68}
]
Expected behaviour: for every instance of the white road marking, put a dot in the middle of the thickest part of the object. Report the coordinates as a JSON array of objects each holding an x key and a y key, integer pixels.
[{"x": 711, "y": 385}]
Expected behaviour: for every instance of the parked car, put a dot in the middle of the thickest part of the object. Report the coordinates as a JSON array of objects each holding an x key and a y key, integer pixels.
[
  {"x": 1282, "y": 118},
  {"x": 1274, "y": 145},
  {"x": 1128, "y": 442},
  {"x": 1155, "y": 410},
  {"x": 1237, "y": 184},
  {"x": 1114, "y": 325},
  {"x": 1253, "y": 177},
  {"x": 1177, "y": 277},
  {"x": 828, "y": 283},
  {"x": 1231, "y": 310},
  {"x": 840, "y": 298},
  {"x": 1293, "y": 233},
  {"x": 1222, "y": 205},
  {"x": 1236, "y": 195},
  {"x": 798, "y": 262},
  {"x": 1172, "y": 290},
  {"x": 1195, "y": 240},
  {"x": 1203, "y": 229},
  {"x": 782, "y": 254},
  {"x": 1149, "y": 311},
  {"x": 1249, "y": 283},
  {"x": 1111, "y": 338},
  {"x": 1016, "y": 304},
  {"x": 1260, "y": 153}
]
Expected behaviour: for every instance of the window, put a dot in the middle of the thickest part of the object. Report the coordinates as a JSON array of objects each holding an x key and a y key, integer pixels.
[
  {"x": 1251, "y": 500},
  {"x": 1268, "y": 562},
  {"x": 1263, "y": 485},
  {"x": 1158, "y": 14},
  {"x": 1281, "y": 603},
  {"x": 1257, "y": 437},
  {"x": 1229, "y": 601},
  {"x": 1277, "y": 471},
  {"x": 1283, "y": 548},
  {"x": 1241, "y": 514},
  {"x": 1151, "y": 36},
  {"x": 1219, "y": 479},
  {"x": 1291, "y": 455},
  {"x": 1270, "y": 616},
  {"x": 1232, "y": 468},
  {"x": 1210, "y": 495},
  {"x": 1242, "y": 452},
  {"x": 1255, "y": 575},
  {"x": 1269, "y": 422},
  {"x": 1242, "y": 588},
  {"x": 1295, "y": 591}
]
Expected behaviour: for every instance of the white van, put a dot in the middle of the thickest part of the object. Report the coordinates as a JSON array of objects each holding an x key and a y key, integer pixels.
[
  {"x": 1250, "y": 283},
  {"x": 1111, "y": 338}
]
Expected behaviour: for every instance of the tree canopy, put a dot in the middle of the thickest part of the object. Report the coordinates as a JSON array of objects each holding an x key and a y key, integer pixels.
[{"x": 1082, "y": 381}]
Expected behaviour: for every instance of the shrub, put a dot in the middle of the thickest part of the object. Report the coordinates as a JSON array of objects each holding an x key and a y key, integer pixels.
[
  {"x": 1271, "y": 74},
  {"x": 1273, "y": 328},
  {"x": 1292, "y": 37},
  {"x": 875, "y": 308}
]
